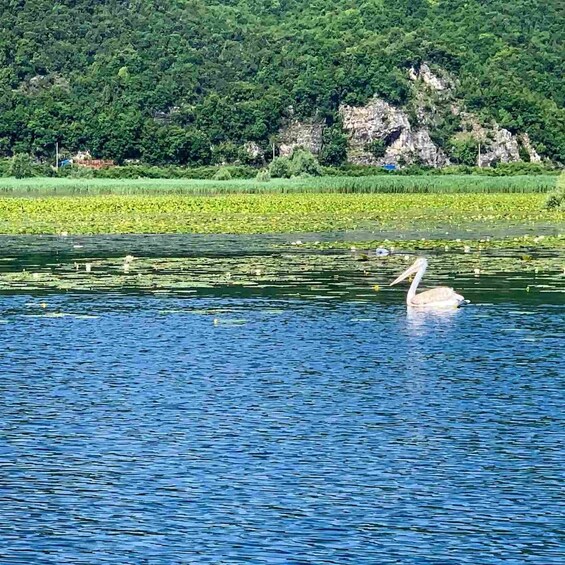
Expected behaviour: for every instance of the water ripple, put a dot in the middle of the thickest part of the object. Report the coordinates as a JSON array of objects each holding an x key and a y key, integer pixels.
[{"x": 225, "y": 428}]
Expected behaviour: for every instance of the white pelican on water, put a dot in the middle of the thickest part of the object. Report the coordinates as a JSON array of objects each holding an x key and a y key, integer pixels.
[{"x": 440, "y": 297}]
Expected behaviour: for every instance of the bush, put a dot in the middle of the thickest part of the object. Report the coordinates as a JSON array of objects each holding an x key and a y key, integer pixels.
[
  {"x": 223, "y": 173},
  {"x": 43, "y": 170},
  {"x": 21, "y": 166},
  {"x": 356, "y": 171},
  {"x": 464, "y": 151},
  {"x": 280, "y": 168},
  {"x": 226, "y": 152},
  {"x": 263, "y": 176},
  {"x": 555, "y": 199},
  {"x": 303, "y": 163},
  {"x": 377, "y": 148},
  {"x": 167, "y": 172},
  {"x": 5, "y": 166},
  {"x": 521, "y": 168},
  {"x": 80, "y": 173},
  {"x": 75, "y": 172},
  {"x": 334, "y": 147}
]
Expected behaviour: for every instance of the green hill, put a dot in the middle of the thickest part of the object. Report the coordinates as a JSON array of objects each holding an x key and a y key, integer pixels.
[{"x": 190, "y": 82}]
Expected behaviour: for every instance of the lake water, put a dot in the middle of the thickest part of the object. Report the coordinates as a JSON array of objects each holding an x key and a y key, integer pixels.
[{"x": 306, "y": 418}]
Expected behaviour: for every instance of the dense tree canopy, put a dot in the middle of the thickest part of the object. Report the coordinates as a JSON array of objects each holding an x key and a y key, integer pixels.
[{"x": 169, "y": 81}]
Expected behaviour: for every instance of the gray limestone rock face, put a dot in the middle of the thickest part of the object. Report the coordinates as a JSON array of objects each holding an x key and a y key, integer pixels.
[
  {"x": 502, "y": 149},
  {"x": 416, "y": 147},
  {"x": 40, "y": 83},
  {"x": 403, "y": 142},
  {"x": 498, "y": 145},
  {"x": 252, "y": 149},
  {"x": 379, "y": 120},
  {"x": 301, "y": 134},
  {"x": 431, "y": 79},
  {"x": 527, "y": 143}
]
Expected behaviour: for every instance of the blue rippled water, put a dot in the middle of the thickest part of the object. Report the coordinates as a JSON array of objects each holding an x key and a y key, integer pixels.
[{"x": 139, "y": 429}]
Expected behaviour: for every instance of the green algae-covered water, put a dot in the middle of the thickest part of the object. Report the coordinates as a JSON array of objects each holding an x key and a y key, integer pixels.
[{"x": 222, "y": 399}]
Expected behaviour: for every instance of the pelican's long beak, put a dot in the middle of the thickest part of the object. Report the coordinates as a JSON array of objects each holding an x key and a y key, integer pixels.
[{"x": 409, "y": 271}]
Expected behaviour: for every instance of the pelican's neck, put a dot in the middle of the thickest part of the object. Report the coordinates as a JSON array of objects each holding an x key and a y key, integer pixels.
[{"x": 416, "y": 282}]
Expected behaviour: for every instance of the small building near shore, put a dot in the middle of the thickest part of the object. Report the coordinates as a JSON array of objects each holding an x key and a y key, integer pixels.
[{"x": 84, "y": 159}]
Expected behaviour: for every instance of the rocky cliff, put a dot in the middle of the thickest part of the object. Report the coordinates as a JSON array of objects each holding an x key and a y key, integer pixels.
[
  {"x": 403, "y": 136},
  {"x": 306, "y": 134},
  {"x": 380, "y": 121},
  {"x": 498, "y": 145}
]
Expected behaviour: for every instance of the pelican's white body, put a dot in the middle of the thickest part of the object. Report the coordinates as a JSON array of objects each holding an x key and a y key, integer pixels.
[{"x": 436, "y": 298}]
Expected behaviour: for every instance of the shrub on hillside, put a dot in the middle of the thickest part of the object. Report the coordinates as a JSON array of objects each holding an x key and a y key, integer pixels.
[
  {"x": 377, "y": 148},
  {"x": 5, "y": 165},
  {"x": 334, "y": 147},
  {"x": 464, "y": 151}
]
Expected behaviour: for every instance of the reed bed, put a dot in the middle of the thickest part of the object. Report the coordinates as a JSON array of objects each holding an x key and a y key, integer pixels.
[{"x": 448, "y": 184}]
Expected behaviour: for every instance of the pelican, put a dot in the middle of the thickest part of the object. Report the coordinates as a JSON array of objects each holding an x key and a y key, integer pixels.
[{"x": 440, "y": 297}]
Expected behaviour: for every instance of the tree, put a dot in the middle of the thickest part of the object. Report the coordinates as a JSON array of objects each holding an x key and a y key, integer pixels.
[
  {"x": 280, "y": 168},
  {"x": 303, "y": 163},
  {"x": 21, "y": 166},
  {"x": 334, "y": 147},
  {"x": 464, "y": 151},
  {"x": 377, "y": 148},
  {"x": 167, "y": 145},
  {"x": 232, "y": 72}
]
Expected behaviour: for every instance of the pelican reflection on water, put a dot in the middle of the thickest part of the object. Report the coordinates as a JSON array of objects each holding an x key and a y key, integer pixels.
[{"x": 439, "y": 297}]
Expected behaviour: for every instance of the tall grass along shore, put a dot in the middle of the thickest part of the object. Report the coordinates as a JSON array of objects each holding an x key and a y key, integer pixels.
[{"x": 44, "y": 187}]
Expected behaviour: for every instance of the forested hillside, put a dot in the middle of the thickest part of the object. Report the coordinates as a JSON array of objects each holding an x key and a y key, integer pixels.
[{"x": 190, "y": 81}]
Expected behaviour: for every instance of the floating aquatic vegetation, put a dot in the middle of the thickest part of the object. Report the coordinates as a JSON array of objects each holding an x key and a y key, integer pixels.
[
  {"x": 470, "y": 246},
  {"x": 269, "y": 213},
  {"x": 312, "y": 271}
]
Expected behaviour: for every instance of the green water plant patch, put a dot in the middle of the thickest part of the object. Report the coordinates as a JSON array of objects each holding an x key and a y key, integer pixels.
[{"x": 272, "y": 213}]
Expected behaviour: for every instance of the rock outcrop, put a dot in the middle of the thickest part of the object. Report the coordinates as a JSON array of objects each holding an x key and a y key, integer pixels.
[
  {"x": 498, "y": 145},
  {"x": 377, "y": 120},
  {"x": 166, "y": 117},
  {"x": 527, "y": 145},
  {"x": 502, "y": 147},
  {"x": 382, "y": 134},
  {"x": 432, "y": 80},
  {"x": 253, "y": 150},
  {"x": 381, "y": 121},
  {"x": 416, "y": 147},
  {"x": 40, "y": 83},
  {"x": 296, "y": 134}
]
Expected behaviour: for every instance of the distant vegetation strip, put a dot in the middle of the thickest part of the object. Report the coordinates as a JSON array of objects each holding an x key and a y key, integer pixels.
[
  {"x": 273, "y": 213},
  {"x": 373, "y": 184}
]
